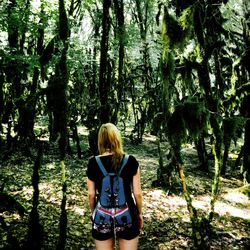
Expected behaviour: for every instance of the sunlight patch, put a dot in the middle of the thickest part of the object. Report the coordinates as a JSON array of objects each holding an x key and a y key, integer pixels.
[
  {"x": 83, "y": 131},
  {"x": 149, "y": 137},
  {"x": 51, "y": 166},
  {"x": 78, "y": 210},
  {"x": 237, "y": 197},
  {"x": 27, "y": 192},
  {"x": 225, "y": 209},
  {"x": 203, "y": 203},
  {"x": 176, "y": 201},
  {"x": 48, "y": 192}
]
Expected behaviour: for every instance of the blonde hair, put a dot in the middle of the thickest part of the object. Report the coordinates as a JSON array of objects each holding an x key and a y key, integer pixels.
[{"x": 109, "y": 139}]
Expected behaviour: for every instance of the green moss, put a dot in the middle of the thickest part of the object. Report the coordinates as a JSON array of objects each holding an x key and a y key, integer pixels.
[
  {"x": 232, "y": 128},
  {"x": 189, "y": 118},
  {"x": 245, "y": 190}
]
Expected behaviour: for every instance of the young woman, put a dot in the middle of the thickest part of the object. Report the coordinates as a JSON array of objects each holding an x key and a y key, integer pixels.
[{"x": 111, "y": 154}]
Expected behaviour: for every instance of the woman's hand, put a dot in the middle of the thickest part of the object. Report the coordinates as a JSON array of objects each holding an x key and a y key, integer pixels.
[{"x": 141, "y": 222}]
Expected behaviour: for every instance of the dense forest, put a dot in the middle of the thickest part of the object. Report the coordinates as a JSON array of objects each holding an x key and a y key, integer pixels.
[{"x": 173, "y": 75}]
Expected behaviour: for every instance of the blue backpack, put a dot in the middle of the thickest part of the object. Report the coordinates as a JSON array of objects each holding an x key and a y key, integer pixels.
[{"x": 112, "y": 211}]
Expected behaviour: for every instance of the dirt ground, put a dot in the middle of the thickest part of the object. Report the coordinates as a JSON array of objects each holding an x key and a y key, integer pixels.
[{"x": 167, "y": 223}]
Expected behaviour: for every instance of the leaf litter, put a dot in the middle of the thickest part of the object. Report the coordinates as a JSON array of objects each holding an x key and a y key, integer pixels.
[{"x": 167, "y": 223}]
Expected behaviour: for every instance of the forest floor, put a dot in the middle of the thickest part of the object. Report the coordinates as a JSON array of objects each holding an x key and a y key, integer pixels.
[{"x": 167, "y": 222}]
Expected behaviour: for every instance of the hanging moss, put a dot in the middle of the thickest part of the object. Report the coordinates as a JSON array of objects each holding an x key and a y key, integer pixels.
[
  {"x": 195, "y": 115},
  {"x": 197, "y": 21},
  {"x": 168, "y": 65},
  {"x": 47, "y": 53},
  {"x": 181, "y": 5},
  {"x": 244, "y": 189},
  {"x": 237, "y": 97},
  {"x": 185, "y": 20},
  {"x": 189, "y": 118},
  {"x": 186, "y": 75},
  {"x": 244, "y": 90},
  {"x": 176, "y": 131},
  {"x": 172, "y": 31},
  {"x": 63, "y": 22},
  {"x": 233, "y": 128},
  {"x": 158, "y": 121}
]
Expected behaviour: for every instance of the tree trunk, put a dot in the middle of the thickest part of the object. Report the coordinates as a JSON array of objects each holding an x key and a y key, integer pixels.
[
  {"x": 93, "y": 106},
  {"x": 142, "y": 15},
  {"x": 1, "y": 97},
  {"x": 104, "y": 85},
  {"x": 205, "y": 83},
  {"x": 63, "y": 217},
  {"x": 76, "y": 139},
  {"x": 60, "y": 110},
  {"x": 35, "y": 232},
  {"x": 225, "y": 157},
  {"x": 61, "y": 105},
  {"x": 199, "y": 227},
  {"x": 237, "y": 161},
  {"x": 202, "y": 153},
  {"x": 12, "y": 70},
  {"x": 246, "y": 150},
  {"x": 61, "y": 116},
  {"x": 119, "y": 10}
]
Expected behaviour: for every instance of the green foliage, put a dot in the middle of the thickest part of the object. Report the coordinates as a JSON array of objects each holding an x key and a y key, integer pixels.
[
  {"x": 158, "y": 121},
  {"x": 176, "y": 128},
  {"x": 47, "y": 53},
  {"x": 244, "y": 189},
  {"x": 198, "y": 24},
  {"x": 168, "y": 65},
  {"x": 63, "y": 22},
  {"x": 233, "y": 128},
  {"x": 186, "y": 21},
  {"x": 235, "y": 99},
  {"x": 196, "y": 116},
  {"x": 175, "y": 31},
  {"x": 243, "y": 90},
  {"x": 189, "y": 119}
]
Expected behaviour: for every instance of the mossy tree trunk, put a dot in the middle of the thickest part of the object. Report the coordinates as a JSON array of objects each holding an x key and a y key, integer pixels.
[
  {"x": 202, "y": 152},
  {"x": 1, "y": 98},
  {"x": 61, "y": 116},
  {"x": 27, "y": 111},
  {"x": 207, "y": 28},
  {"x": 199, "y": 226},
  {"x": 204, "y": 80},
  {"x": 121, "y": 35},
  {"x": 213, "y": 35},
  {"x": 17, "y": 73},
  {"x": 93, "y": 106},
  {"x": 217, "y": 147},
  {"x": 167, "y": 67},
  {"x": 12, "y": 71},
  {"x": 104, "y": 83},
  {"x": 245, "y": 60},
  {"x": 35, "y": 232},
  {"x": 246, "y": 158},
  {"x": 146, "y": 101}
]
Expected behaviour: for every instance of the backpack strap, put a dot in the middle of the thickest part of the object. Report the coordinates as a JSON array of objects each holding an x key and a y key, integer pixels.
[
  {"x": 99, "y": 162},
  {"x": 104, "y": 171},
  {"x": 124, "y": 161}
]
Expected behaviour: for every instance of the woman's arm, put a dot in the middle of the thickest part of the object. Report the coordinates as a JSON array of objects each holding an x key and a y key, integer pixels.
[
  {"x": 138, "y": 195},
  {"x": 91, "y": 194}
]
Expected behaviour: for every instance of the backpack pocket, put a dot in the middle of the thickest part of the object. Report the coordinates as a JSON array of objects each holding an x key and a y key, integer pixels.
[
  {"x": 102, "y": 219},
  {"x": 106, "y": 220},
  {"x": 123, "y": 219}
]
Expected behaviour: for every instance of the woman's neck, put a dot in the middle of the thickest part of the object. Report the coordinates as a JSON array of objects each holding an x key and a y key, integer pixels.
[{"x": 107, "y": 152}]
